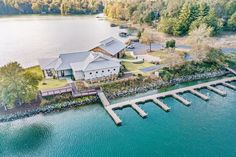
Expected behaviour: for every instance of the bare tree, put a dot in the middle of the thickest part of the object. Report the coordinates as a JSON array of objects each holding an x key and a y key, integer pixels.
[
  {"x": 147, "y": 38},
  {"x": 197, "y": 38}
]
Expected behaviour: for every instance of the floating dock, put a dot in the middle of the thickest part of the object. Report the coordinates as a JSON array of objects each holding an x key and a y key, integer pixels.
[
  {"x": 217, "y": 91},
  {"x": 161, "y": 104},
  {"x": 156, "y": 97},
  {"x": 181, "y": 99},
  {"x": 114, "y": 116},
  {"x": 204, "y": 97},
  {"x": 229, "y": 85},
  {"x": 139, "y": 110}
]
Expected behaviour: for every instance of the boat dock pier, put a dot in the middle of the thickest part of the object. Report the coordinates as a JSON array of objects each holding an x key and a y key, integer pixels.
[
  {"x": 173, "y": 93},
  {"x": 204, "y": 97},
  {"x": 181, "y": 99},
  {"x": 139, "y": 110},
  {"x": 161, "y": 104}
]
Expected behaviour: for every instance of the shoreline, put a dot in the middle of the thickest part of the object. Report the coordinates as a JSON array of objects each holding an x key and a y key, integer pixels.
[
  {"x": 226, "y": 39},
  {"x": 139, "y": 90}
]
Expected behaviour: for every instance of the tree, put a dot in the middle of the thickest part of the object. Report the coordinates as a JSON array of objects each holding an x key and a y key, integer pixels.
[
  {"x": 232, "y": 22},
  {"x": 147, "y": 38},
  {"x": 212, "y": 21},
  {"x": 37, "y": 7},
  {"x": 188, "y": 14},
  {"x": 150, "y": 17},
  {"x": 62, "y": 8},
  {"x": 197, "y": 38},
  {"x": 230, "y": 7},
  {"x": 170, "y": 44},
  {"x": 166, "y": 25},
  {"x": 16, "y": 85}
]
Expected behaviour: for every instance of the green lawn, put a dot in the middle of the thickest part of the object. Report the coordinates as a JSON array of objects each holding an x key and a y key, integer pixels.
[
  {"x": 46, "y": 84},
  {"x": 134, "y": 67}
]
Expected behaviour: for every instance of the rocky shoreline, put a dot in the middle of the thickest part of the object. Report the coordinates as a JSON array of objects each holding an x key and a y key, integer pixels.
[
  {"x": 142, "y": 89},
  {"x": 162, "y": 84},
  {"x": 46, "y": 109}
]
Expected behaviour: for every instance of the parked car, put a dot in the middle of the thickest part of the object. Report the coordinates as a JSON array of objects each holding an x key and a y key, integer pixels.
[
  {"x": 123, "y": 34},
  {"x": 131, "y": 46}
]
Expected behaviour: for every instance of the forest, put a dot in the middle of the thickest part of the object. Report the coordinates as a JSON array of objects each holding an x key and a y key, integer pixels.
[
  {"x": 64, "y": 7},
  {"x": 176, "y": 17}
]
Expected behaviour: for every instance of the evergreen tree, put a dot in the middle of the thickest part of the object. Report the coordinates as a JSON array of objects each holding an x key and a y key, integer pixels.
[
  {"x": 232, "y": 22},
  {"x": 187, "y": 15},
  {"x": 212, "y": 21}
]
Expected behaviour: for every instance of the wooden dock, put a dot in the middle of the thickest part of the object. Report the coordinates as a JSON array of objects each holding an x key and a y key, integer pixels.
[
  {"x": 231, "y": 70},
  {"x": 229, "y": 85},
  {"x": 139, "y": 110},
  {"x": 174, "y": 93},
  {"x": 161, "y": 104},
  {"x": 181, "y": 99},
  {"x": 103, "y": 98},
  {"x": 204, "y": 97},
  {"x": 217, "y": 91},
  {"x": 70, "y": 88}
]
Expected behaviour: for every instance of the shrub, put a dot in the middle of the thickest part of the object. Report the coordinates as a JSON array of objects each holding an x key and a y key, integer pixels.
[{"x": 170, "y": 44}]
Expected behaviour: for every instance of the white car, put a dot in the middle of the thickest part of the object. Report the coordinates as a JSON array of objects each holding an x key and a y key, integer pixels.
[{"x": 131, "y": 46}]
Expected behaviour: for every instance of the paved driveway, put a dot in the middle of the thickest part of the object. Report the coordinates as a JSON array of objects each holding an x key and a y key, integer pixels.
[
  {"x": 149, "y": 58},
  {"x": 141, "y": 49},
  {"x": 151, "y": 68}
]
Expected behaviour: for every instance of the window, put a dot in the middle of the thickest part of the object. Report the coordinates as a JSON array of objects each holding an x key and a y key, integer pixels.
[
  {"x": 114, "y": 69},
  {"x": 90, "y": 73},
  {"x": 103, "y": 71},
  {"x": 96, "y": 72},
  {"x": 49, "y": 73},
  {"x": 108, "y": 70}
]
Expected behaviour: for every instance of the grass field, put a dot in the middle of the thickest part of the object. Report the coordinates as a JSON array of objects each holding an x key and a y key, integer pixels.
[
  {"x": 166, "y": 57},
  {"x": 134, "y": 67},
  {"x": 46, "y": 84}
]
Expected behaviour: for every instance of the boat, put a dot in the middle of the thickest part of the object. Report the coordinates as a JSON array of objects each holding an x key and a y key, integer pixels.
[{"x": 113, "y": 25}]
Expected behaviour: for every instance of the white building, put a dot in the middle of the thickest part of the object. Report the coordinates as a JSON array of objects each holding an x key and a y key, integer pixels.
[{"x": 81, "y": 66}]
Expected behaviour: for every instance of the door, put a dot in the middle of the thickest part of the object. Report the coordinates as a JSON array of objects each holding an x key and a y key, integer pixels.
[{"x": 62, "y": 73}]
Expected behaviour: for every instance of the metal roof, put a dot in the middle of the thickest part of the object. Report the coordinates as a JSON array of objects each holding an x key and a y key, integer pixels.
[
  {"x": 112, "y": 45},
  {"x": 64, "y": 60}
]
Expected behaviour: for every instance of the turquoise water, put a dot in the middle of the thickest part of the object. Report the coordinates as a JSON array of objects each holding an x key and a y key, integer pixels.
[{"x": 203, "y": 129}]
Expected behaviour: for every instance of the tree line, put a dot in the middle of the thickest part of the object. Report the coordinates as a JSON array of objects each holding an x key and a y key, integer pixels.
[
  {"x": 63, "y": 7},
  {"x": 178, "y": 17}
]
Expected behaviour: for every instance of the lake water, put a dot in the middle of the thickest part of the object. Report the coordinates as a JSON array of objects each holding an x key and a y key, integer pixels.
[
  {"x": 27, "y": 38},
  {"x": 205, "y": 129}
]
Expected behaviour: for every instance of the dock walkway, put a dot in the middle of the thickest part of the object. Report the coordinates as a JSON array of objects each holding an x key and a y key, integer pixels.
[{"x": 174, "y": 93}]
